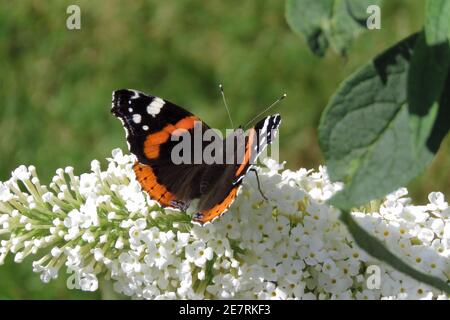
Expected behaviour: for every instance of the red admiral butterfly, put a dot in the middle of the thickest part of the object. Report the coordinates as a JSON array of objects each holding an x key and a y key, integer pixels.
[{"x": 151, "y": 123}]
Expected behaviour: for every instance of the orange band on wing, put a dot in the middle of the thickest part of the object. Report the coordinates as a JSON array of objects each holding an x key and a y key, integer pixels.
[
  {"x": 154, "y": 140},
  {"x": 248, "y": 150},
  {"x": 209, "y": 215},
  {"x": 149, "y": 183},
  {"x": 186, "y": 123},
  {"x": 152, "y": 152}
]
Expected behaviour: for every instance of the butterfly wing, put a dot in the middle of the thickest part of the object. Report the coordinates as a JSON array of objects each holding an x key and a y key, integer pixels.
[
  {"x": 221, "y": 195},
  {"x": 149, "y": 123}
]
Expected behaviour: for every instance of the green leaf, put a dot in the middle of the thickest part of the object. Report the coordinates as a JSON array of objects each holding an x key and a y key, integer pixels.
[
  {"x": 327, "y": 23},
  {"x": 308, "y": 18},
  {"x": 358, "y": 9},
  {"x": 375, "y": 248},
  {"x": 371, "y": 138},
  {"x": 437, "y": 24},
  {"x": 343, "y": 26},
  {"x": 426, "y": 79}
]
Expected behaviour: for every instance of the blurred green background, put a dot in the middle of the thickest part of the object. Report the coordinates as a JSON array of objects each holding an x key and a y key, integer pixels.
[{"x": 56, "y": 84}]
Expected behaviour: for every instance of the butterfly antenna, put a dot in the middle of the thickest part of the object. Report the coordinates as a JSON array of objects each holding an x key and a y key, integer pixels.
[
  {"x": 226, "y": 105},
  {"x": 266, "y": 109}
]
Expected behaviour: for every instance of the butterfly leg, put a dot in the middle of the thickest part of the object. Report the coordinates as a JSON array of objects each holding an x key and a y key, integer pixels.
[
  {"x": 182, "y": 205},
  {"x": 259, "y": 185}
]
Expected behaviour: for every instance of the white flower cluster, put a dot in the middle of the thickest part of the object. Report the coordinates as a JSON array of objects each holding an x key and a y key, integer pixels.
[{"x": 293, "y": 246}]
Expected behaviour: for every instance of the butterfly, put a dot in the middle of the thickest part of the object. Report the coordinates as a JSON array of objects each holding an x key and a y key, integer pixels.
[{"x": 152, "y": 123}]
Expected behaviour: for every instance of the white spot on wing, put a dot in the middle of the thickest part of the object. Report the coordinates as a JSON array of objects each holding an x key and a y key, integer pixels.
[
  {"x": 145, "y": 128},
  {"x": 137, "y": 118},
  {"x": 155, "y": 106},
  {"x": 135, "y": 94}
]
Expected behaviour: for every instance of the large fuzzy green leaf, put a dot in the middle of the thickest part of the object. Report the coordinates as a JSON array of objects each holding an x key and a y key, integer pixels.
[
  {"x": 327, "y": 23},
  {"x": 373, "y": 138}
]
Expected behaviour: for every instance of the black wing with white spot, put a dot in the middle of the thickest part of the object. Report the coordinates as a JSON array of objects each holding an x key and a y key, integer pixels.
[
  {"x": 149, "y": 123},
  {"x": 142, "y": 115}
]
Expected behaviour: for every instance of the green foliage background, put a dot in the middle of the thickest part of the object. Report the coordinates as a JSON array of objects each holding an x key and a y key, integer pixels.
[{"x": 56, "y": 84}]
